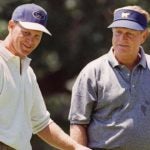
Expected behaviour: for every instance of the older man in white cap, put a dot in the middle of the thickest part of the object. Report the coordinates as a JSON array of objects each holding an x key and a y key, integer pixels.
[
  {"x": 110, "y": 107},
  {"x": 22, "y": 108}
]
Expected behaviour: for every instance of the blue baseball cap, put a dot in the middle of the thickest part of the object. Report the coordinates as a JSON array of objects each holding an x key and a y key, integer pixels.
[
  {"x": 128, "y": 18},
  {"x": 31, "y": 16}
]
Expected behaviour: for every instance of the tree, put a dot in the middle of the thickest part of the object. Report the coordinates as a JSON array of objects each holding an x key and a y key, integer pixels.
[{"x": 79, "y": 35}]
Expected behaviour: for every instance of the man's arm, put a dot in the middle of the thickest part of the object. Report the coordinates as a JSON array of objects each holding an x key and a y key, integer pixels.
[
  {"x": 55, "y": 136},
  {"x": 79, "y": 133}
]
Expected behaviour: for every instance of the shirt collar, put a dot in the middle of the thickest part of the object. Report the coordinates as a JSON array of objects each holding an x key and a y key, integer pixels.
[
  {"x": 7, "y": 55},
  {"x": 111, "y": 58},
  {"x": 113, "y": 61}
]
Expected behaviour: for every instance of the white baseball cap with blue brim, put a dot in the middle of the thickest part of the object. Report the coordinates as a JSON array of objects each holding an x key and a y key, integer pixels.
[
  {"x": 130, "y": 19},
  {"x": 32, "y": 17}
]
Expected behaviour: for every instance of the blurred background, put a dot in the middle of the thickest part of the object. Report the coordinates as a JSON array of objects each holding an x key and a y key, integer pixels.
[{"x": 79, "y": 35}]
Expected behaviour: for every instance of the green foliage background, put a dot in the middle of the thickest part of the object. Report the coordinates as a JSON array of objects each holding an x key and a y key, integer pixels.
[{"x": 79, "y": 35}]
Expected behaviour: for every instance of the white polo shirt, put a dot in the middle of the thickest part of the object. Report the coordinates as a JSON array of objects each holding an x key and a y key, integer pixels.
[{"x": 22, "y": 108}]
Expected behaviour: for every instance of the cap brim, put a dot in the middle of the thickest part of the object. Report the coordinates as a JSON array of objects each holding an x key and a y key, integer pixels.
[
  {"x": 34, "y": 26},
  {"x": 126, "y": 24}
]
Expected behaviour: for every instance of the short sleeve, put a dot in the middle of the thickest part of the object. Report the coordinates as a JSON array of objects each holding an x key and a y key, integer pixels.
[
  {"x": 84, "y": 95},
  {"x": 40, "y": 117}
]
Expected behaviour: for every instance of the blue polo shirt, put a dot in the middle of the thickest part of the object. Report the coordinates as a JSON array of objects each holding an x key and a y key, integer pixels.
[{"x": 114, "y": 102}]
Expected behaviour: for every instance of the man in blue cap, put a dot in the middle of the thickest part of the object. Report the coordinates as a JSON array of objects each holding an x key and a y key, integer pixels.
[
  {"x": 22, "y": 108},
  {"x": 110, "y": 106}
]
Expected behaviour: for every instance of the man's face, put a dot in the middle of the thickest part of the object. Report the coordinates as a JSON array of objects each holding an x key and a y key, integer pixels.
[
  {"x": 23, "y": 41},
  {"x": 126, "y": 42}
]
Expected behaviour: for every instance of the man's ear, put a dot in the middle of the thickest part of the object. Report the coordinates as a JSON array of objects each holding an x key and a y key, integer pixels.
[
  {"x": 11, "y": 25},
  {"x": 145, "y": 33}
]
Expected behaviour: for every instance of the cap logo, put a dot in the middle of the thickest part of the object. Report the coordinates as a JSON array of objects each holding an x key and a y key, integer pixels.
[
  {"x": 125, "y": 15},
  {"x": 39, "y": 15}
]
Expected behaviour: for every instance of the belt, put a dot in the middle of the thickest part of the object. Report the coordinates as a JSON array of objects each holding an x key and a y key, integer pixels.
[
  {"x": 5, "y": 147},
  {"x": 101, "y": 149}
]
